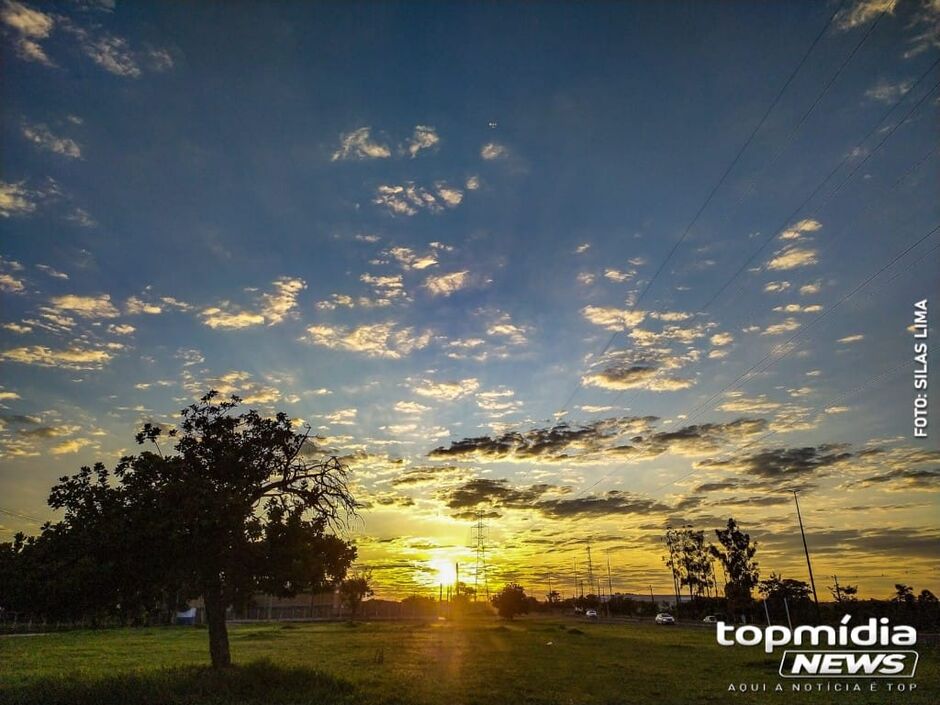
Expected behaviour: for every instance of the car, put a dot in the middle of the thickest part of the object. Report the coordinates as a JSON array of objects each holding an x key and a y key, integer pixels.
[
  {"x": 591, "y": 614},
  {"x": 711, "y": 619},
  {"x": 665, "y": 618}
]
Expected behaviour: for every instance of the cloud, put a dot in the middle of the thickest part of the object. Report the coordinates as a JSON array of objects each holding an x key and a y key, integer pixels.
[
  {"x": 373, "y": 340},
  {"x": 648, "y": 376},
  {"x": 858, "y": 337},
  {"x": 408, "y": 199},
  {"x": 472, "y": 183},
  {"x": 85, "y": 306},
  {"x": 447, "y": 284},
  {"x": 76, "y": 357},
  {"x": 901, "y": 479},
  {"x": 427, "y": 475},
  {"x": 42, "y": 137},
  {"x": 235, "y": 382},
  {"x": 786, "y": 326},
  {"x": 862, "y": 12},
  {"x": 411, "y": 407},
  {"x": 112, "y": 53},
  {"x": 448, "y": 390},
  {"x": 561, "y": 442},
  {"x": 135, "y": 306},
  {"x": 424, "y": 137},
  {"x": 409, "y": 259},
  {"x": 11, "y": 284},
  {"x": 776, "y": 467},
  {"x": 793, "y": 257},
  {"x": 613, "y": 319},
  {"x": 491, "y": 151},
  {"x": 277, "y": 304},
  {"x": 54, "y": 273},
  {"x": 746, "y": 405},
  {"x": 31, "y": 26},
  {"x": 611, "y": 503},
  {"x": 73, "y": 445},
  {"x": 359, "y": 145},
  {"x": 776, "y": 287},
  {"x": 15, "y": 199},
  {"x": 798, "y": 308},
  {"x": 342, "y": 417},
  {"x": 720, "y": 339},
  {"x": 886, "y": 92},
  {"x": 272, "y": 307}
]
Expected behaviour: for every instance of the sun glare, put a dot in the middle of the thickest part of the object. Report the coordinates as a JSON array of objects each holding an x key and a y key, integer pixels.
[{"x": 445, "y": 571}]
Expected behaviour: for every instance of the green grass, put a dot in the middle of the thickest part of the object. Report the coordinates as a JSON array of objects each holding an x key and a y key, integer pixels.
[{"x": 537, "y": 661}]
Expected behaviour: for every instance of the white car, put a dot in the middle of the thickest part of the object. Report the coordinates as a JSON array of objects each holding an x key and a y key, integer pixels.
[
  {"x": 591, "y": 614},
  {"x": 711, "y": 619},
  {"x": 665, "y": 618}
]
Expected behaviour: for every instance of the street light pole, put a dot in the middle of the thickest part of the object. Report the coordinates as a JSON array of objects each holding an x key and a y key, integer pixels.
[{"x": 809, "y": 565}]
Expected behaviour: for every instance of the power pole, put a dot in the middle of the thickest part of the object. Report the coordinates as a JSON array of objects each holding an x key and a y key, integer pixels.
[
  {"x": 457, "y": 579},
  {"x": 809, "y": 565},
  {"x": 590, "y": 568},
  {"x": 610, "y": 589}
]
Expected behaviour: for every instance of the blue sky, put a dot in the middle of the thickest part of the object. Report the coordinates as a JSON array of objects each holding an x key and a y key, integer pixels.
[{"x": 413, "y": 224}]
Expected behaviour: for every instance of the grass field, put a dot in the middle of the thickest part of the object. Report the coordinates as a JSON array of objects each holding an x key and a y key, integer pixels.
[{"x": 438, "y": 663}]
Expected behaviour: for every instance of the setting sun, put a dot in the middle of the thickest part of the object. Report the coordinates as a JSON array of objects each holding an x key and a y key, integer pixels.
[{"x": 445, "y": 571}]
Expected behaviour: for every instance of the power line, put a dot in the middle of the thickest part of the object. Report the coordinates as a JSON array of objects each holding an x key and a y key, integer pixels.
[
  {"x": 20, "y": 515},
  {"x": 858, "y": 145},
  {"x": 734, "y": 383},
  {"x": 725, "y": 175},
  {"x": 803, "y": 329},
  {"x": 786, "y": 221}
]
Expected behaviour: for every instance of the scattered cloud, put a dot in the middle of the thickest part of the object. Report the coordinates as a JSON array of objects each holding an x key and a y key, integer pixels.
[
  {"x": 31, "y": 26},
  {"x": 15, "y": 199},
  {"x": 446, "y": 391},
  {"x": 272, "y": 307},
  {"x": 447, "y": 284},
  {"x": 492, "y": 150},
  {"x": 424, "y": 137},
  {"x": 99, "y": 306},
  {"x": 373, "y": 340},
  {"x": 409, "y": 199},
  {"x": 41, "y": 136},
  {"x": 76, "y": 357},
  {"x": 358, "y": 144},
  {"x": 793, "y": 257}
]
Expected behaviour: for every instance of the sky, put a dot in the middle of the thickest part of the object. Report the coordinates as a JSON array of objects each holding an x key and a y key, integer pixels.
[{"x": 584, "y": 270}]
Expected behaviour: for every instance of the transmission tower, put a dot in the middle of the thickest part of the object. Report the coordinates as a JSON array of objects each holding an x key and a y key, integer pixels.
[{"x": 479, "y": 540}]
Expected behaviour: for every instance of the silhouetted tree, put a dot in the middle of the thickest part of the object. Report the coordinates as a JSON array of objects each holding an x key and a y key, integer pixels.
[
  {"x": 243, "y": 505},
  {"x": 776, "y": 587},
  {"x": 843, "y": 594},
  {"x": 510, "y": 601},
  {"x": 741, "y": 570},
  {"x": 353, "y": 590},
  {"x": 903, "y": 595}
]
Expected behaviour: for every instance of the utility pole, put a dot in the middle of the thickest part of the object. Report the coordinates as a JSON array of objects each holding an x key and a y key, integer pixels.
[
  {"x": 457, "y": 579},
  {"x": 610, "y": 589},
  {"x": 590, "y": 568},
  {"x": 809, "y": 565}
]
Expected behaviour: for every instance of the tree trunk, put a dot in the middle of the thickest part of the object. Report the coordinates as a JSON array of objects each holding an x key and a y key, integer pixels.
[{"x": 218, "y": 632}]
